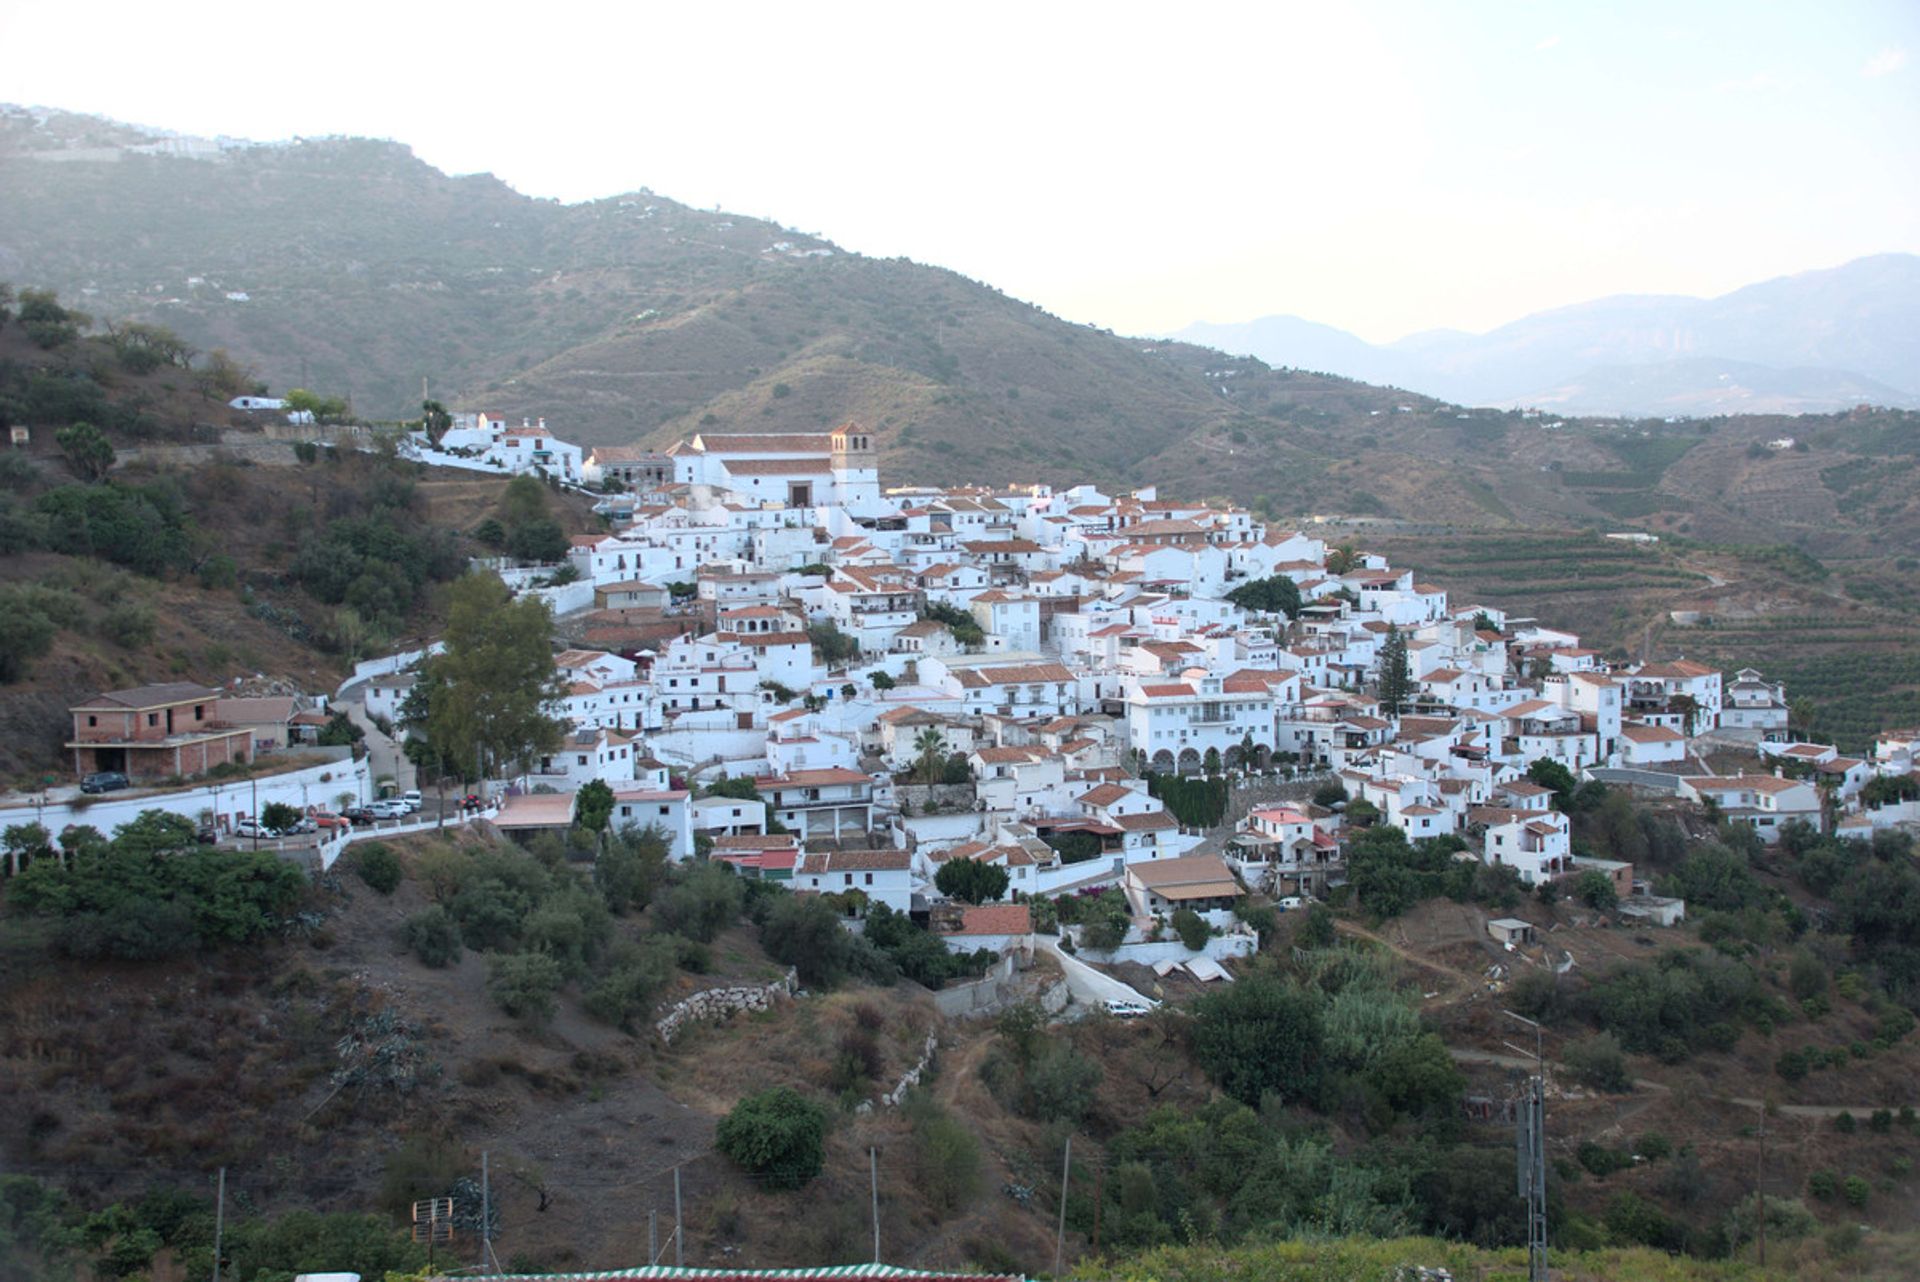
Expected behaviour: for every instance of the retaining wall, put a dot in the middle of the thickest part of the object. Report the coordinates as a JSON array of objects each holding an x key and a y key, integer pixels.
[{"x": 719, "y": 1003}]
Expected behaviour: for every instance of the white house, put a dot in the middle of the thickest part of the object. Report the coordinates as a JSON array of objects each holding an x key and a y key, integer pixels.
[{"x": 882, "y": 876}]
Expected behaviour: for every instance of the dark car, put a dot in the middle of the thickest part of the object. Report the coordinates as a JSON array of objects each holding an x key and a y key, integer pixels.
[
  {"x": 358, "y": 815},
  {"x": 105, "y": 781}
]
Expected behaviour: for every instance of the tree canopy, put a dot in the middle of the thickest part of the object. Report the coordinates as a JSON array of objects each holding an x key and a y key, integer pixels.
[
  {"x": 490, "y": 695},
  {"x": 971, "y": 881},
  {"x": 1276, "y": 595}
]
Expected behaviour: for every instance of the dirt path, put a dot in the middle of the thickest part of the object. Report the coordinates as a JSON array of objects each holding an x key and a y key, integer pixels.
[
  {"x": 1469, "y": 983},
  {"x": 1468, "y": 1055}
]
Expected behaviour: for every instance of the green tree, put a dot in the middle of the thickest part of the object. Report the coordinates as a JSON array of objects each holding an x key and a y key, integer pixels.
[
  {"x": 630, "y": 867},
  {"x": 931, "y": 759},
  {"x": 593, "y": 807},
  {"x": 880, "y": 679},
  {"x": 1192, "y": 929},
  {"x": 1396, "y": 682},
  {"x": 88, "y": 452},
  {"x": 779, "y": 1135},
  {"x": 433, "y": 936},
  {"x": 1259, "y": 1036},
  {"x": 435, "y": 420},
  {"x": 325, "y": 409},
  {"x": 524, "y": 984},
  {"x": 541, "y": 541},
  {"x": 830, "y": 645},
  {"x": 1550, "y": 774},
  {"x": 491, "y": 691},
  {"x": 277, "y": 816},
  {"x": 46, "y": 322},
  {"x": 1595, "y": 890},
  {"x": 703, "y": 902},
  {"x": 1276, "y": 595},
  {"x": 971, "y": 881}
]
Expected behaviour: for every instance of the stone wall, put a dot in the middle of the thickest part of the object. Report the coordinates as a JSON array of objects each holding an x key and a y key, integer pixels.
[
  {"x": 912, "y": 1078},
  {"x": 719, "y": 1003}
]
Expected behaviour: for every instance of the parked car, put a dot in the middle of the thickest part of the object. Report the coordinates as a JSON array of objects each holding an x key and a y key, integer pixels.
[
  {"x": 206, "y": 835},
  {"x": 388, "y": 808},
  {"x": 1292, "y": 901},
  {"x": 328, "y": 820},
  {"x": 412, "y": 798},
  {"x": 1121, "y": 1008},
  {"x": 253, "y": 831},
  {"x": 300, "y": 827},
  {"x": 359, "y": 815},
  {"x": 105, "y": 781}
]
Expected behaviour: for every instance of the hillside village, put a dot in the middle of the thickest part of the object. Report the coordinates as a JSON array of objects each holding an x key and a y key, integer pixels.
[{"x": 1020, "y": 677}]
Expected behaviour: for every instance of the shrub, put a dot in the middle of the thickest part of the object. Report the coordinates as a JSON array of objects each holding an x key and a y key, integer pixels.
[
  {"x": 524, "y": 984},
  {"x": 1653, "y": 1146},
  {"x": 1598, "y": 1062},
  {"x": 1823, "y": 1185},
  {"x": 705, "y": 901},
  {"x": 128, "y": 626},
  {"x": 1844, "y": 1123},
  {"x": 778, "y": 1135},
  {"x": 1061, "y": 1085},
  {"x": 1192, "y": 929},
  {"x": 1856, "y": 1190},
  {"x": 636, "y": 972},
  {"x": 1881, "y": 1122},
  {"x": 1258, "y": 1036},
  {"x": 1600, "y": 1160},
  {"x": 434, "y": 937},
  {"x": 946, "y": 1156},
  {"x": 378, "y": 867}
]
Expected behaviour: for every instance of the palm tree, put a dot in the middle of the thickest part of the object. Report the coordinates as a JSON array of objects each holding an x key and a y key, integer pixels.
[
  {"x": 931, "y": 747},
  {"x": 1342, "y": 559}
]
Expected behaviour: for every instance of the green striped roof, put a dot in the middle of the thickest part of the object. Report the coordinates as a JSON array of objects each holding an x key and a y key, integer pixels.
[{"x": 836, "y": 1271}]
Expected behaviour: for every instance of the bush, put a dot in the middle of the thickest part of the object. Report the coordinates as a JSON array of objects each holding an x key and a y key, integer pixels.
[
  {"x": 705, "y": 901},
  {"x": 1192, "y": 929},
  {"x": 1844, "y": 1123},
  {"x": 636, "y": 972},
  {"x": 1824, "y": 1185},
  {"x": 946, "y": 1156},
  {"x": 1258, "y": 1036},
  {"x": 630, "y": 867},
  {"x": 778, "y": 1135},
  {"x": 434, "y": 937},
  {"x": 1598, "y": 1062},
  {"x": 425, "y": 1165},
  {"x": 1856, "y": 1191},
  {"x": 378, "y": 867},
  {"x": 128, "y": 626},
  {"x": 1653, "y": 1146},
  {"x": 524, "y": 984}
]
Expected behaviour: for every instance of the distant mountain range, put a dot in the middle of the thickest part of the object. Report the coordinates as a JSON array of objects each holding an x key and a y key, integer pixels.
[{"x": 1812, "y": 342}]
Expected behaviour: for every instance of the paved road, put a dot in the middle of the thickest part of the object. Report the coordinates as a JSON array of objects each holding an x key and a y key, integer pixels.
[
  {"x": 1091, "y": 987},
  {"x": 384, "y": 756}
]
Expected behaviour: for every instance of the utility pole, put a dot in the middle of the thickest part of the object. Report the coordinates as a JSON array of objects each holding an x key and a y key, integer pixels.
[
  {"x": 1759, "y": 1185},
  {"x": 1060, "y": 1238},
  {"x": 219, "y": 1222},
  {"x": 653, "y": 1237},
  {"x": 679, "y": 1237},
  {"x": 1530, "y": 1152},
  {"x": 873, "y": 1170},
  {"x": 486, "y": 1213}
]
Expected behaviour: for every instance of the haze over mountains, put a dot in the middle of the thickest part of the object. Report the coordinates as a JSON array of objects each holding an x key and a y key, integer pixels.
[
  {"x": 1811, "y": 342},
  {"x": 353, "y": 268}
]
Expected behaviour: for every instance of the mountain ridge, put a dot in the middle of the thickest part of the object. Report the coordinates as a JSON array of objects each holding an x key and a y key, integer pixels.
[{"x": 1827, "y": 339}]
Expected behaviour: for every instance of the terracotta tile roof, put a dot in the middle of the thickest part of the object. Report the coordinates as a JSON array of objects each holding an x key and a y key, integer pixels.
[
  {"x": 1105, "y": 795},
  {"x": 1008, "y": 756},
  {"x": 996, "y": 919},
  {"x": 833, "y": 861},
  {"x": 1168, "y": 692},
  {"x": 1154, "y": 821}
]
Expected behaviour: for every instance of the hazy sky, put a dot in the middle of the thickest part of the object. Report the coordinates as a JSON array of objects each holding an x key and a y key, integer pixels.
[{"x": 1385, "y": 167}]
